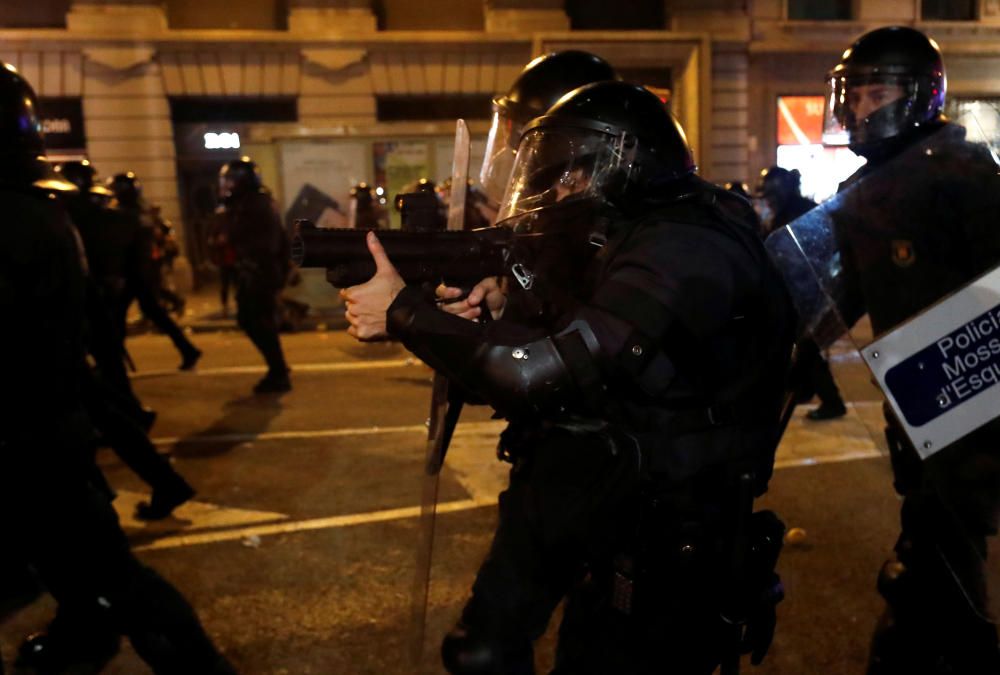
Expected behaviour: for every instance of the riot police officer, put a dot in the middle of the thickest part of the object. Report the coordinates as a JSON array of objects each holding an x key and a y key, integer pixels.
[
  {"x": 107, "y": 238},
  {"x": 250, "y": 222},
  {"x": 918, "y": 222},
  {"x": 61, "y": 524},
  {"x": 780, "y": 190},
  {"x": 542, "y": 82},
  {"x": 641, "y": 374},
  {"x": 109, "y": 399},
  {"x": 143, "y": 270},
  {"x": 365, "y": 211}
]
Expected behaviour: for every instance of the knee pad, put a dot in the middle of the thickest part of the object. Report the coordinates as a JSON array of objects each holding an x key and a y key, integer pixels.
[{"x": 465, "y": 652}]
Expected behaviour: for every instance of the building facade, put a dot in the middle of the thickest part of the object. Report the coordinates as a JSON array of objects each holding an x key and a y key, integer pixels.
[{"x": 325, "y": 93}]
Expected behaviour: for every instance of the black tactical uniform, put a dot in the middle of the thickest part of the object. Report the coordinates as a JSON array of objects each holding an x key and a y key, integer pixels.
[
  {"x": 51, "y": 514},
  {"x": 366, "y": 213},
  {"x": 918, "y": 223},
  {"x": 780, "y": 189},
  {"x": 253, "y": 227},
  {"x": 109, "y": 399},
  {"x": 106, "y": 238},
  {"x": 142, "y": 272},
  {"x": 641, "y": 375}
]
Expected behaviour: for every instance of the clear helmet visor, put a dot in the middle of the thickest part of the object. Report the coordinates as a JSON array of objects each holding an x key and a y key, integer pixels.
[
  {"x": 501, "y": 146},
  {"x": 868, "y": 108},
  {"x": 557, "y": 165}
]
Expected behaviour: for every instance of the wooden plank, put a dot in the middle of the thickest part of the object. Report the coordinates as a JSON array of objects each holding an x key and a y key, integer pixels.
[
  {"x": 333, "y": 106},
  {"x": 253, "y": 73},
  {"x": 231, "y": 67},
  {"x": 51, "y": 83},
  {"x": 31, "y": 67},
  {"x": 469, "y": 83},
  {"x": 452, "y": 72},
  {"x": 416, "y": 76},
  {"x": 170, "y": 71},
  {"x": 191, "y": 74},
  {"x": 72, "y": 74},
  {"x": 122, "y": 129},
  {"x": 125, "y": 107},
  {"x": 396, "y": 67},
  {"x": 434, "y": 71},
  {"x": 380, "y": 73},
  {"x": 271, "y": 78},
  {"x": 211, "y": 73},
  {"x": 110, "y": 150},
  {"x": 291, "y": 73}
]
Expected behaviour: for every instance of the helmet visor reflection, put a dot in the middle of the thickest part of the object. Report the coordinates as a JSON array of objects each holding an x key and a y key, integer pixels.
[
  {"x": 556, "y": 165},
  {"x": 501, "y": 146},
  {"x": 862, "y": 109}
]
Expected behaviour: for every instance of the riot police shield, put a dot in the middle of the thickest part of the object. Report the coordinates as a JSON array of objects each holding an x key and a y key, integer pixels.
[{"x": 902, "y": 268}]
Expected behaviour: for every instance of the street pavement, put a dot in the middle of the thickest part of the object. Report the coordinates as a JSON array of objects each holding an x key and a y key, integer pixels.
[{"x": 298, "y": 551}]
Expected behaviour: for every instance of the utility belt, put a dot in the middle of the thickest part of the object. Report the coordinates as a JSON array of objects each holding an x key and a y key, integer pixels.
[{"x": 691, "y": 560}]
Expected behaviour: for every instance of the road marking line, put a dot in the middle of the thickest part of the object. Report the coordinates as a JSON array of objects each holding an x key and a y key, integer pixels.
[
  {"x": 827, "y": 459},
  {"x": 305, "y": 525},
  {"x": 333, "y": 522},
  {"x": 296, "y": 368},
  {"x": 204, "y": 514},
  {"x": 463, "y": 428}
]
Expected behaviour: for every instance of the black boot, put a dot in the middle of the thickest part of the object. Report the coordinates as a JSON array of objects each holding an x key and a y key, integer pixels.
[
  {"x": 190, "y": 358},
  {"x": 273, "y": 383},
  {"x": 164, "y": 501},
  {"x": 62, "y": 650},
  {"x": 827, "y": 411}
]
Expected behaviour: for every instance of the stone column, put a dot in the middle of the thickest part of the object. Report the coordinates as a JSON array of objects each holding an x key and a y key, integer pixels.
[
  {"x": 525, "y": 16},
  {"x": 125, "y": 108}
]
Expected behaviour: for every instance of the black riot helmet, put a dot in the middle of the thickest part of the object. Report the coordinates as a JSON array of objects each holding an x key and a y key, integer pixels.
[
  {"x": 543, "y": 81},
  {"x": 778, "y": 185},
  {"x": 363, "y": 194},
  {"x": 738, "y": 187},
  {"x": 126, "y": 188},
  {"x": 239, "y": 177},
  {"x": 888, "y": 85},
  {"x": 22, "y": 148},
  {"x": 83, "y": 175},
  {"x": 605, "y": 143}
]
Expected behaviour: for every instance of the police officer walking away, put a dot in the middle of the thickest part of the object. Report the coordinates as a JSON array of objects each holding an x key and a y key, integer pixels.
[
  {"x": 253, "y": 227},
  {"x": 640, "y": 368},
  {"x": 50, "y": 513},
  {"x": 143, "y": 272},
  {"x": 109, "y": 400},
  {"x": 781, "y": 191},
  {"x": 918, "y": 222}
]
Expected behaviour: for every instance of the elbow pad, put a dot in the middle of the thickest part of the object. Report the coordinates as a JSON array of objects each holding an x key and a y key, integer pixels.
[{"x": 552, "y": 373}]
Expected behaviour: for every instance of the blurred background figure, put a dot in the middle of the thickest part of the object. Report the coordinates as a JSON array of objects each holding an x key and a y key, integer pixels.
[
  {"x": 142, "y": 273},
  {"x": 740, "y": 188},
  {"x": 165, "y": 251},
  {"x": 479, "y": 212},
  {"x": 251, "y": 224},
  {"x": 111, "y": 403},
  {"x": 365, "y": 212},
  {"x": 53, "y": 515},
  {"x": 780, "y": 191},
  {"x": 223, "y": 256}
]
